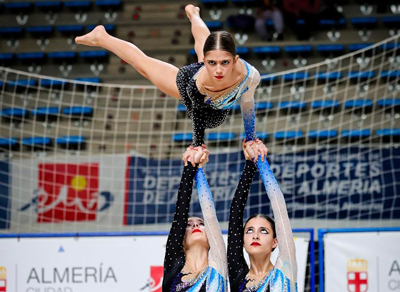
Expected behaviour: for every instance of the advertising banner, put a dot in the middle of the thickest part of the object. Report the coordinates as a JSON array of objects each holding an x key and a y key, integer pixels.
[
  {"x": 78, "y": 193},
  {"x": 338, "y": 183},
  {"x": 362, "y": 262},
  {"x": 101, "y": 264}
]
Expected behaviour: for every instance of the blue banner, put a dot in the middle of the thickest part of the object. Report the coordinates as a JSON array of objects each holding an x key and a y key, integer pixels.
[
  {"x": 348, "y": 183},
  {"x": 5, "y": 202}
]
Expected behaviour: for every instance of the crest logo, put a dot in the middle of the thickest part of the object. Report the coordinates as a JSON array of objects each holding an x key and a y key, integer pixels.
[
  {"x": 3, "y": 279},
  {"x": 357, "y": 275}
]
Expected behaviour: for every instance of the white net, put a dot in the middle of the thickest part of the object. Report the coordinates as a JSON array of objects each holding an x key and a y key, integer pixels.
[{"x": 79, "y": 156}]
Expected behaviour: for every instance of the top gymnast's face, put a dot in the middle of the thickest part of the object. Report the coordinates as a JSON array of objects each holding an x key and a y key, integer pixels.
[
  {"x": 195, "y": 233},
  {"x": 259, "y": 237},
  {"x": 219, "y": 64}
]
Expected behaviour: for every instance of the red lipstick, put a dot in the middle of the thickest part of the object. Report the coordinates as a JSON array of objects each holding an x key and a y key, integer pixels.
[
  {"x": 196, "y": 230},
  {"x": 255, "y": 244},
  {"x": 219, "y": 77}
]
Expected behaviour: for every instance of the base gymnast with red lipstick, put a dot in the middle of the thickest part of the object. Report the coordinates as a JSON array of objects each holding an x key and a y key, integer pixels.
[
  {"x": 195, "y": 257},
  {"x": 208, "y": 89},
  {"x": 259, "y": 237}
]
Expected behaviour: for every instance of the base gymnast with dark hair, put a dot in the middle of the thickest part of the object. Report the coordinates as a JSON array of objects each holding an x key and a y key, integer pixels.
[
  {"x": 195, "y": 256},
  {"x": 259, "y": 237}
]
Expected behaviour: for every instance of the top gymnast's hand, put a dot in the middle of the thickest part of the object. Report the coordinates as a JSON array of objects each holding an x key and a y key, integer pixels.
[
  {"x": 252, "y": 149},
  {"x": 196, "y": 155}
]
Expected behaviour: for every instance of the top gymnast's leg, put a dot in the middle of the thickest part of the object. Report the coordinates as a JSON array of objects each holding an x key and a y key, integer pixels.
[
  {"x": 200, "y": 30},
  {"x": 161, "y": 74}
]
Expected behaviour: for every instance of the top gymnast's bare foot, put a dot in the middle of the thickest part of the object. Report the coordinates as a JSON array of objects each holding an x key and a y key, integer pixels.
[
  {"x": 192, "y": 10},
  {"x": 92, "y": 38}
]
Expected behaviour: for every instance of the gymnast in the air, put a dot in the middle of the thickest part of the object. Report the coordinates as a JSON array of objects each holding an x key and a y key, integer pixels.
[{"x": 208, "y": 89}]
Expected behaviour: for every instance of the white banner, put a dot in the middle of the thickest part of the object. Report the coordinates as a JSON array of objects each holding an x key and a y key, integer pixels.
[
  {"x": 68, "y": 194},
  {"x": 82, "y": 264},
  {"x": 361, "y": 262}
]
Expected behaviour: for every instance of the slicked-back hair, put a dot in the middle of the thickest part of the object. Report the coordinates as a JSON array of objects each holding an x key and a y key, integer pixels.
[
  {"x": 220, "y": 40},
  {"x": 269, "y": 219}
]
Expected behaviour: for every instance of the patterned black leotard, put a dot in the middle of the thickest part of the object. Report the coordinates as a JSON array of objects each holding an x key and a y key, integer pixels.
[
  {"x": 207, "y": 113},
  {"x": 213, "y": 278},
  {"x": 283, "y": 277}
]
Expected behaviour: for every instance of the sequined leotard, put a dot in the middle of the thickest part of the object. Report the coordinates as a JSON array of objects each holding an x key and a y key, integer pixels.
[
  {"x": 283, "y": 277},
  {"x": 213, "y": 278},
  {"x": 206, "y": 112}
]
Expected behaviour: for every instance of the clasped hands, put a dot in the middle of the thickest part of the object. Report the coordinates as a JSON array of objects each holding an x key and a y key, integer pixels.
[{"x": 251, "y": 150}]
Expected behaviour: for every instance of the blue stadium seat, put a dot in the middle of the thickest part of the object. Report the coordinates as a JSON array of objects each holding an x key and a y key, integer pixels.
[
  {"x": 389, "y": 75},
  {"x": 356, "y": 47},
  {"x": 19, "y": 7},
  {"x": 108, "y": 4},
  {"x": 52, "y": 83},
  {"x": 47, "y": 6},
  {"x": 260, "y": 135},
  {"x": 322, "y": 134},
  {"x": 263, "y": 51},
  {"x": 70, "y": 29},
  {"x": 110, "y": 28},
  {"x": 90, "y": 56},
  {"x": 40, "y": 31},
  {"x": 390, "y": 46},
  {"x": 220, "y": 137},
  {"x": 364, "y": 22},
  {"x": 34, "y": 57},
  {"x": 388, "y": 135},
  {"x": 263, "y": 106},
  {"x": 71, "y": 142},
  {"x": 268, "y": 78},
  {"x": 243, "y": 51},
  {"x": 182, "y": 137},
  {"x": 360, "y": 76},
  {"x": 359, "y": 105},
  {"x": 36, "y": 142},
  {"x": 11, "y": 32},
  {"x": 214, "y": 25},
  {"x": 334, "y": 49},
  {"x": 292, "y": 105},
  {"x": 63, "y": 57},
  {"x": 89, "y": 79},
  {"x": 354, "y": 135},
  {"x": 389, "y": 103},
  {"x": 303, "y": 50},
  {"x": 328, "y": 76},
  {"x": 22, "y": 84},
  {"x": 78, "y": 5},
  {"x": 324, "y": 104},
  {"x": 391, "y": 21},
  {"x": 297, "y": 76},
  {"x": 8, "y": 144},
  {"x": 80, "y": 111},
  {"x": 11, "y": 113},
  {"x": 7, "y": 59},
  {"x": 46, "y": 113},
  {"x": 181, "y": 108},
  {"x": 288, "y": 135}
]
